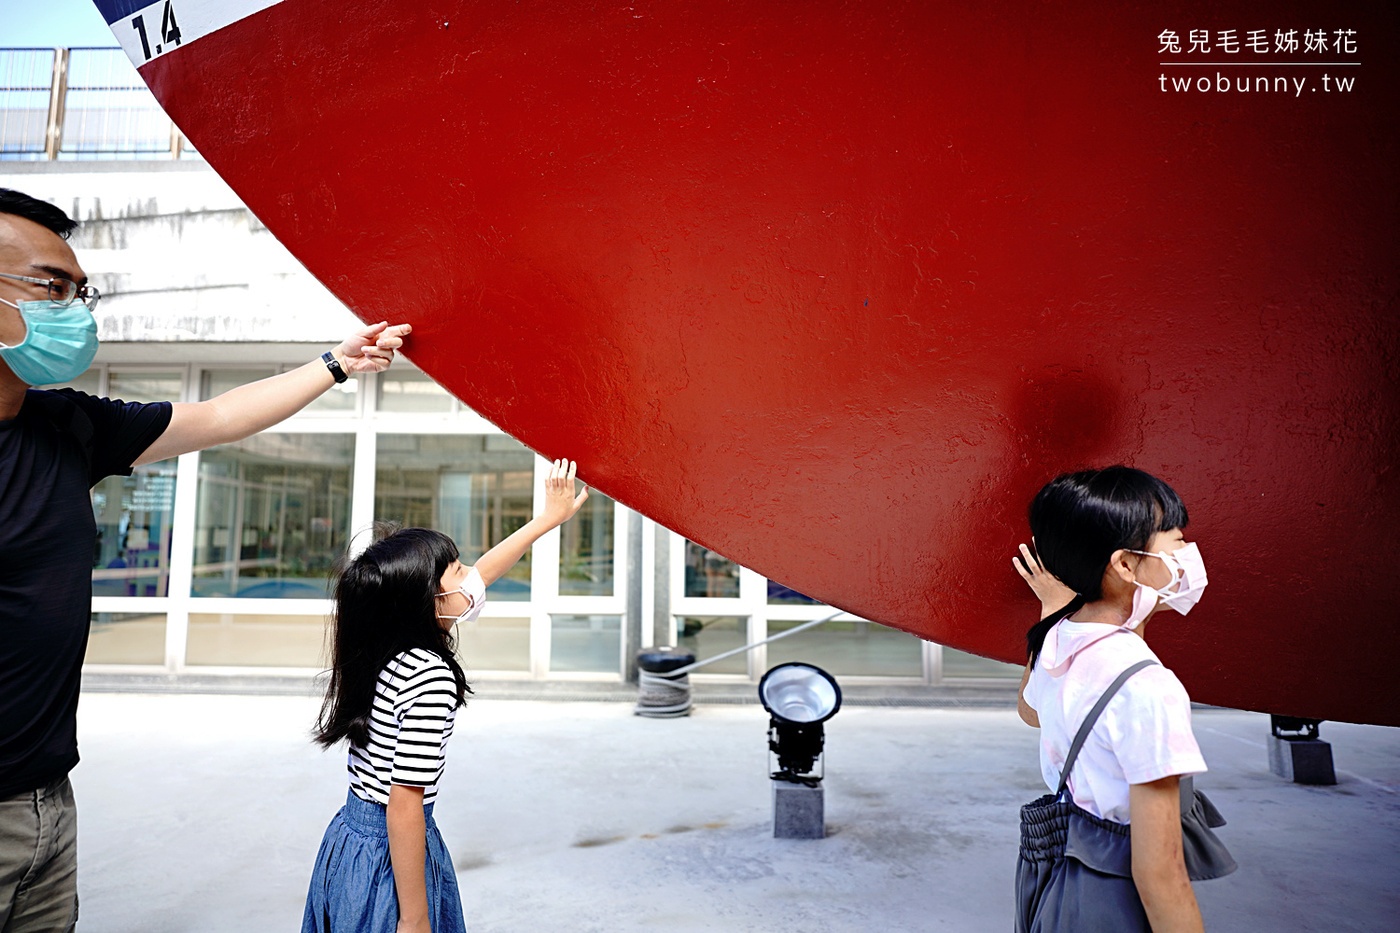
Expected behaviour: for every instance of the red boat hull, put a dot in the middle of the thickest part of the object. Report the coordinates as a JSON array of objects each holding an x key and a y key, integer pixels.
[{"x": 833, "y": 288}]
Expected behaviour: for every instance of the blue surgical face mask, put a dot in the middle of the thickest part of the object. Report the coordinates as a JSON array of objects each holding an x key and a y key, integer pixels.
[{"x": 59, "y": 342}]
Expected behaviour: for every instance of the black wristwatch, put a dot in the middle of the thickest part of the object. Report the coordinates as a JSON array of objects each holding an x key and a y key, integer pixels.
[{"x": 333, "y": 365}]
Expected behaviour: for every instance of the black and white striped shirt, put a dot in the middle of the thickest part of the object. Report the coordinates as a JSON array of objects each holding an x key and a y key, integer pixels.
[{"x": 415, "y": 704}]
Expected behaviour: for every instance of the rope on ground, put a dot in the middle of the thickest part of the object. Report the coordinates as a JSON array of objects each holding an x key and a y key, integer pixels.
[
  {"x": 663, "y": 696},
  {"x": 663, "y": 691}
]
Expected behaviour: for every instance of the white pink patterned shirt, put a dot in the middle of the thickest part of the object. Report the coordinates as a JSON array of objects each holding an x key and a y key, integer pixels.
[{"x": 1143, "y": 735}]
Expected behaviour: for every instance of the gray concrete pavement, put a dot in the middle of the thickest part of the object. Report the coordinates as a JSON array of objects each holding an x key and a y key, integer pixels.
[{"x": 203, "y": 813}]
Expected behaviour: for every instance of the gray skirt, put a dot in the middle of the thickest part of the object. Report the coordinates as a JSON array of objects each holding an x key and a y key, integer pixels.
[{"x": 1075, "y": 870}]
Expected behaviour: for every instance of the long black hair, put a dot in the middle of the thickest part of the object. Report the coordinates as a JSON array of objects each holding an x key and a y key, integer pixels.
[
  {"x": 385, "y": 603},
  {"x": 1079, "y": 519}
]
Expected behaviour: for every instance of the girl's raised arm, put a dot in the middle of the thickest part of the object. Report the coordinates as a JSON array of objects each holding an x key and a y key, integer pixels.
[
  {"x": 560, "y": 505},
  {"x": 1027, "y": 712}
]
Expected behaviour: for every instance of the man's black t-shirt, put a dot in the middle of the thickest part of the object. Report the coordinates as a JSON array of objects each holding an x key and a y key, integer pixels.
[{"x": 52, "y": 453}]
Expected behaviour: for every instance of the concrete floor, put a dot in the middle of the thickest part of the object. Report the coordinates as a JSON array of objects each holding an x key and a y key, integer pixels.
[{"x": 204, "y": 813}]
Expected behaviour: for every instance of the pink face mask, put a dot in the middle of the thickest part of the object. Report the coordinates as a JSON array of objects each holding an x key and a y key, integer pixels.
[
  {"x": 1181, "y": 593},
  {"x": 457, "y": 619}
]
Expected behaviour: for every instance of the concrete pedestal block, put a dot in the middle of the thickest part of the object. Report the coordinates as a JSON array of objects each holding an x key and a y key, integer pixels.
[
  {"x": 799, "y": 811},
  {"x": 1302, "y": 761}
]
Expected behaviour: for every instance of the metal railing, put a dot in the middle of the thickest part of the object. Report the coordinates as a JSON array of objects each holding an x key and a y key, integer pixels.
[{"x": 81, "y": 104}]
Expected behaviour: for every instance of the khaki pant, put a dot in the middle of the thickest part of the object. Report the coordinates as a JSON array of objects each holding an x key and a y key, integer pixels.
[{"x": 39, "y": 860}]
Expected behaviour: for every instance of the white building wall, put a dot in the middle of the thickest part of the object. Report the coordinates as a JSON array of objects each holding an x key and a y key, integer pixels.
[{"x": 179, "y": 258}]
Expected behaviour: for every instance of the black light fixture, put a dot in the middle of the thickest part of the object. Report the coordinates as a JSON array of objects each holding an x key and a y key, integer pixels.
[
  {"x": 799, "y": 698},
  {"x": 1297, "y": 754}
]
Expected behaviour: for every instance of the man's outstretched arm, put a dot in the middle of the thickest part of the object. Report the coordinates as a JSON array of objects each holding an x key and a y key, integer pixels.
[{"x": 256, "y": 406}]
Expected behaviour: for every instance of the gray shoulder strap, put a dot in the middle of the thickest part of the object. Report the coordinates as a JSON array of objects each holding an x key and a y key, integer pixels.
[{"x": 1092, "y": 718}]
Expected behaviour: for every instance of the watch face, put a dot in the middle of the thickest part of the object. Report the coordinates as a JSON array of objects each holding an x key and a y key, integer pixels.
[{"x": 333, "y": 365}]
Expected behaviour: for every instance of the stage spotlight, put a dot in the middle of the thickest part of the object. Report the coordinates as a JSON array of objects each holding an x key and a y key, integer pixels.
[{"x": 799, "y": 698}]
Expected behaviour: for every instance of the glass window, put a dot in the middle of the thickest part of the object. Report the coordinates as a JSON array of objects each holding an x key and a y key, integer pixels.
[
  {"x": 273, "y": 515},
  {"x": 709, "y": 574},
  {"x": 126, "y": 638},
  {"x": 477, "y": 488},
  {"x": 779, "y": 595},
  {"x": 961, "y": 664},
  {"x": 494, "y": 645},
  {"x": 585, "y": 643},
  {"x": 256, "y": 640},
  {"x": 133, "y": 515},
  {"x": 404, "y": 390},
  {"x": 586, "y": 550},
  {"x": 708, "y": 636},
  {"x": 144, "y": 386},
  {"x": 215, "y": 382},
  {"x": 851, "y": 648}
]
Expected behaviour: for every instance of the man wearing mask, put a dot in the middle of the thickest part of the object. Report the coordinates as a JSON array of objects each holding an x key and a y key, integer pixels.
[{"x": 54, "y": 446}]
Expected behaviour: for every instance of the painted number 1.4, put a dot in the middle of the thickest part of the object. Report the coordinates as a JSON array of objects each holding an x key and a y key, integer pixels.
[{"x": 169, "y": 31}]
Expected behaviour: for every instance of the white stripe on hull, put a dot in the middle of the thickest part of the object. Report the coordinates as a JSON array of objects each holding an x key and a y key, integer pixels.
[{"x": 166, "y": 25}]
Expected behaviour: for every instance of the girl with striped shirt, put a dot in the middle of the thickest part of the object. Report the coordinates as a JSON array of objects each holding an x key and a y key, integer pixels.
[{"x": 394, "y": 690}]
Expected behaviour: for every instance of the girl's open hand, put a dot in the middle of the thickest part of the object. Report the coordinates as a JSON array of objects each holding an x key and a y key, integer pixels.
[
  {"x": 1053, "y": 594},
  {"x": 560, "y": 503}
]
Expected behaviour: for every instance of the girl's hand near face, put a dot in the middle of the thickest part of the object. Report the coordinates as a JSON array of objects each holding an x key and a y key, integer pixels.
[
  {"x": 560, "y": 503},
  {"x": 1053, "y": 594}
]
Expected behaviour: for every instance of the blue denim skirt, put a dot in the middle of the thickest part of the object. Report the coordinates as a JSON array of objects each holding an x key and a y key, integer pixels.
[{"x": 352, "y": 885}]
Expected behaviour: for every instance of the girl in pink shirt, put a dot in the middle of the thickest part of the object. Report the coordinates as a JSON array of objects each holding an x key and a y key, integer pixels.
[{"x": 1110, "y": 552}]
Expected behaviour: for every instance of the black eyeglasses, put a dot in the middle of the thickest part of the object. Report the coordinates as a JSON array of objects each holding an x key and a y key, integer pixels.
[{"x": 62, "y": 291}]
